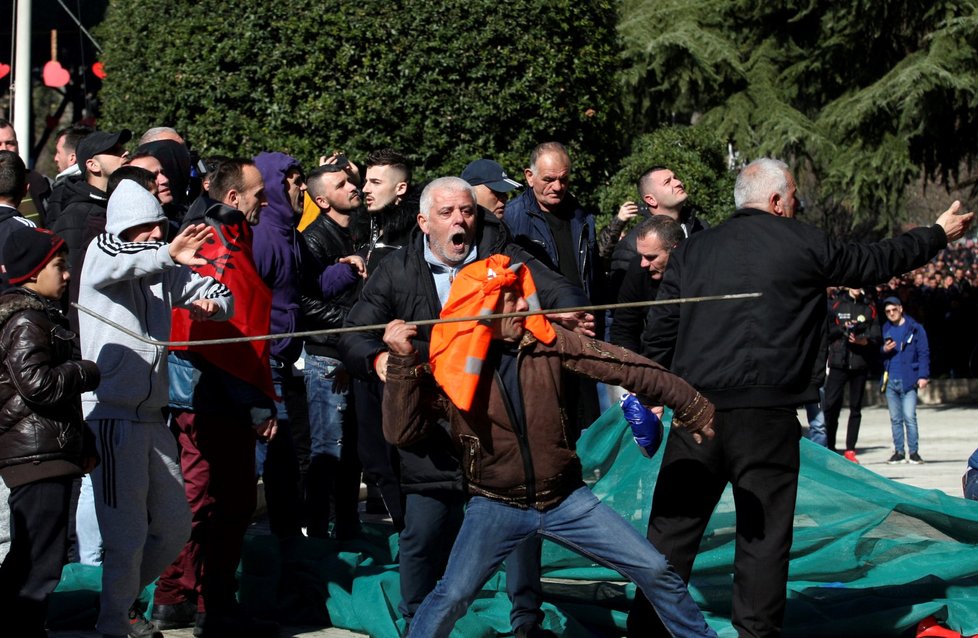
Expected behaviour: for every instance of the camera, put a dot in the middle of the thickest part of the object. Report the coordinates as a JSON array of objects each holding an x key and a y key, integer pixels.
[{"x": 858, "y": 327}]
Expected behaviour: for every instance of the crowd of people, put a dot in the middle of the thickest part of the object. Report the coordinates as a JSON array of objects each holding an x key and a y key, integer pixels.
[{"x": 145, "y": 445}]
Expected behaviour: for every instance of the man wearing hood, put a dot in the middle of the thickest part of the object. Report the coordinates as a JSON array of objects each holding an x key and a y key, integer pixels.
[
  {"x": 134, "y": 279},
  {"x": 175, "y": 161},
  {"x": 287, "y": 267}
]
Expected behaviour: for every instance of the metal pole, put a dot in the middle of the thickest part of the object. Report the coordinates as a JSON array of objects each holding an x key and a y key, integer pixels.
[{"x": 22, "y": 80}]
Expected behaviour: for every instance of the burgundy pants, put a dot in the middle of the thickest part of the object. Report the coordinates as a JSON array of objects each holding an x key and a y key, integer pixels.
[{"x": 217, "y": 456}]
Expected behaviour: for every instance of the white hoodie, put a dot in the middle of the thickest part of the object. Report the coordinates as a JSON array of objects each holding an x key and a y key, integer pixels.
[{"x": 134, "y": 284}]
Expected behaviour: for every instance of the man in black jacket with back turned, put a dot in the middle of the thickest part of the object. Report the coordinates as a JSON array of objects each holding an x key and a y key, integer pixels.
[
  {"x": 412, "y": 284},
  {"x": 756, "y": 360}
]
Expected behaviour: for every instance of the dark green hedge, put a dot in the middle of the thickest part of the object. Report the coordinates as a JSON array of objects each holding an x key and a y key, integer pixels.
[{"x": 446, "y": 82}]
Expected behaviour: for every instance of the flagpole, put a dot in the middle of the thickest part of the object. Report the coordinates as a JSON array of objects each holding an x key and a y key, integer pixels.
[{"x": 22, "y": 80}]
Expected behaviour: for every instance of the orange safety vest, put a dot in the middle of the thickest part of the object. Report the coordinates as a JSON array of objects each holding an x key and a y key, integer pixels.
[{"x": 458, "y": 349}]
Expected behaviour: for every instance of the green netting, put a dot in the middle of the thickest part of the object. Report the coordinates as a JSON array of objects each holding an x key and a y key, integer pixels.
[{"x": 870, "y": 557}]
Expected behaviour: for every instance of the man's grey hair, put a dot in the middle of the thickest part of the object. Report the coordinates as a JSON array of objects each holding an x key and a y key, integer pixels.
[
  {"x": 157, "y": 133},
  {"x": 546, "y": 149},
  {"x": 450, "y": 184},
  {"x": 665, "y": 228},
  {"x": 758, "y": 180}
]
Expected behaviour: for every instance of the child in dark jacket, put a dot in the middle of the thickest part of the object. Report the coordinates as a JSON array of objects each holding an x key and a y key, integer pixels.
[{"x": 44, "y": 443}]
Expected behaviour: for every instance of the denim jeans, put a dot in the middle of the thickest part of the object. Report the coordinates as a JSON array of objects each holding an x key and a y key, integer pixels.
[
  {"x": 902, "y": 403},
  {"x": 327, "y": 404},
  {"x": 334, "y": 465},
  {"x": 492, "y": 529},
  {"x": 816, "y": 420},
  {"x": 86, "y": 525},
  {"x": 970, "y": 481}
]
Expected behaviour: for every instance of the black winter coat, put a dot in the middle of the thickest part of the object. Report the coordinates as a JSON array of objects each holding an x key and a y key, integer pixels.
[
  {"x": 42, "y": 432},
  {"x": 328, "y": 242},
  {"x": 768, "y": 351}
]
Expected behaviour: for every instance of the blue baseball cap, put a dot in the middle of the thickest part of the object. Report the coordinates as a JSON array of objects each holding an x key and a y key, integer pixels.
[{"x": 489, "y": 173}]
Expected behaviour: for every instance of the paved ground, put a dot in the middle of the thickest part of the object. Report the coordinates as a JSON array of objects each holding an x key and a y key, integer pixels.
[{"x": 948, "y": 436}]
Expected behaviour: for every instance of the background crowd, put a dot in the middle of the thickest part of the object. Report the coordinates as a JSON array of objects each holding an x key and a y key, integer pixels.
[{"x": 943, "y": 296}]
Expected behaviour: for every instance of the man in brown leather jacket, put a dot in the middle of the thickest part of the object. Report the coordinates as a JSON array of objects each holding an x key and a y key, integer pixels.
[{"x": 519, "y": 460}]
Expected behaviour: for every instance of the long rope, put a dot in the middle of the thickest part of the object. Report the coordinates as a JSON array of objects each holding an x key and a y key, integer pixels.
[{"x": 422, "y": 322}]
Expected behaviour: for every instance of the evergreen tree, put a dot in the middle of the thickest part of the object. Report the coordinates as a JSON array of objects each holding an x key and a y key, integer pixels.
[{"x": 862, "y": 96}]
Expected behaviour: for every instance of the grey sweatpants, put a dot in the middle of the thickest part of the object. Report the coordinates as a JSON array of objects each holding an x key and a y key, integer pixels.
[
  {"x": 4, "y": 520},
  {"x": 142, "y": 512}
]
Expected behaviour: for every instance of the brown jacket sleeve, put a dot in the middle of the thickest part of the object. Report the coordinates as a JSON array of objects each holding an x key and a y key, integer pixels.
[
  {"x": 653, "y": 384},
  {"x": 404, "y": 408}
]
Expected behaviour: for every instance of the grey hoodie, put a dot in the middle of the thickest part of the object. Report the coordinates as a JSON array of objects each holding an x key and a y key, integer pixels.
[{"x": 135, "y": 284}]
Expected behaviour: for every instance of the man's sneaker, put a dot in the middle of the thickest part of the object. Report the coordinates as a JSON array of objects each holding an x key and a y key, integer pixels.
[
  {"x": 850, "y": 455},
  {"x": 897, "y": 457},
  {"x": 915, "y": 459},
  {"x": 139, "y": 627},
  {"x": 176, "y": 616}
]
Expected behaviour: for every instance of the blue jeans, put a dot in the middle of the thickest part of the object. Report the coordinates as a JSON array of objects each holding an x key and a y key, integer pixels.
[
  {"x": 327, "y": 404},
  {"x": 334, "y": 465},
  {"x": 816, "y": 420},
  {"x": 86, "y": 525},
  {"x": 970, "y": 481},
  {"x": 902, "y": 403},
  {"x": 492, "y": 529},
  {"x": 432, "y": 521}
]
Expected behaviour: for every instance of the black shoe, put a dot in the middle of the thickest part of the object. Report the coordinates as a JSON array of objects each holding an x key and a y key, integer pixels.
[
  {"x": 139, "y": 627},
  {"x": 897, "y": 457},
  {"x": 233, "y": 624},
  {"x": 533, "y": 630},
  {"x": 178, "y": 616},
  {"x": 375, "y": 505},
  {"x": 915, "y": 459}
]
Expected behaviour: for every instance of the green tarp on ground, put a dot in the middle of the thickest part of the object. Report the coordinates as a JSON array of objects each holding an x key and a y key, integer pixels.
[{"x": 871, "y": 557}]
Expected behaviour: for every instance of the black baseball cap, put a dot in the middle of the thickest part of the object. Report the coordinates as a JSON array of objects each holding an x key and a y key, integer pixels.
[
  {"x": 99, "y": 142},
  {"x": 489, "y": 173}
]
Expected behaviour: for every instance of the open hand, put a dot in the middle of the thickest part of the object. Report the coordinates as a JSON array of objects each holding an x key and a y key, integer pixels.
[
  {"x": 579, "y": 322},
  {"x": 184, "y": 247}
]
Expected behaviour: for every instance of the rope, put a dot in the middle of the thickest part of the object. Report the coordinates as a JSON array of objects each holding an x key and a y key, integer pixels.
[{"x": 422, "y": 322}]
